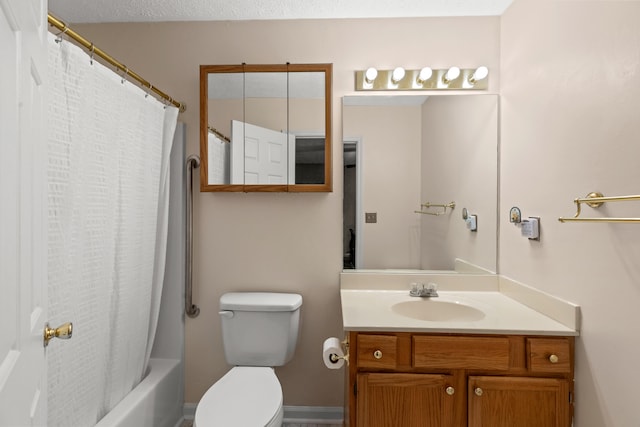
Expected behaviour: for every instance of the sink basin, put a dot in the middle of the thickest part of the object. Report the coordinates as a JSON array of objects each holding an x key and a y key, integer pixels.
[{"x": 437, "y": 311}]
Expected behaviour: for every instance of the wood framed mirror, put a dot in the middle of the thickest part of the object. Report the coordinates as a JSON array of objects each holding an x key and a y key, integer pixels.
[{"x": 265, "y": 128}]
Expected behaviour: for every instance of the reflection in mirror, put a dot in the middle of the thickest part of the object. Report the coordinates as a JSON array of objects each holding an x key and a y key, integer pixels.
[
  {"x": 306, "y": 122},
  {"x": 411, "y": 150},
  {"x": 259, "y": 152},
  {"x": 268, "y": 127},
  {"x": 228, "y": 91}
]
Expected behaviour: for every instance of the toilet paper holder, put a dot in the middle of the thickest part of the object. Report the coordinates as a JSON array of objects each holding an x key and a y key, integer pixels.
[{"x": 335, "y": 358}]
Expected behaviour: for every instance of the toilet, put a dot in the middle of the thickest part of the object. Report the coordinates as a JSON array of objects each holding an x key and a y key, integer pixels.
[{"x": 259, "y": 331}]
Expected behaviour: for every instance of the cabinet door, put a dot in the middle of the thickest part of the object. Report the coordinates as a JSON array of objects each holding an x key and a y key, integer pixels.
[
  {"x": 404, "y": 400},
  {"x": 517, "y": 401}
]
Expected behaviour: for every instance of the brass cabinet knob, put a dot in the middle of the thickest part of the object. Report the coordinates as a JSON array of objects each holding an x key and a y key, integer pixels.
[
  {"x": 478, "y": 391},
  {"x": 450, "y": 390},
  {"x": 64, "y": 332},
  {"x": 377, "y": 354},
  {"x": 553, "y": 358}
]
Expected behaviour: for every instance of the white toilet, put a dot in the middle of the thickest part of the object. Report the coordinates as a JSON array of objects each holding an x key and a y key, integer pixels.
[{"x": 259, "y": 331}]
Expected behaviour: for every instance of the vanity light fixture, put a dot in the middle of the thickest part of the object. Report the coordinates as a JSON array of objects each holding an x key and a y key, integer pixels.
[
  {"x": 425, "y": 78},
  {"x": 480, "y": 73},
  {"x": 451, "y": 74}
]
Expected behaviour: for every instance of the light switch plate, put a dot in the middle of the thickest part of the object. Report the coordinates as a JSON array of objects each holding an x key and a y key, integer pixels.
[{"x": 371, "y": 217}]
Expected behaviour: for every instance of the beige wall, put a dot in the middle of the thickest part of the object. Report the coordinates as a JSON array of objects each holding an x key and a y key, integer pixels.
[
  {"x": 460, "y": 163},
  {"x": 306, "y": 115},
  {"x": 570, "y": 102},
  {"x": 282, "y": 242}
]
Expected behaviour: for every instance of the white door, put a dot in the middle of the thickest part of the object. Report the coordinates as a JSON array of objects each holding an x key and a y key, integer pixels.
[
  {"x": 258, "y": 155},
  {"x": 23, "y": 213}
]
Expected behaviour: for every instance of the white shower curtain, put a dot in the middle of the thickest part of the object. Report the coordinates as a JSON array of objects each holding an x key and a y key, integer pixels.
[{"x": 109, "y": 147}]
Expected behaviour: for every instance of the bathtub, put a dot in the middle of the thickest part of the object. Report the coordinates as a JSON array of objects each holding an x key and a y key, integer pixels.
[{"x": 155, "y": 402}]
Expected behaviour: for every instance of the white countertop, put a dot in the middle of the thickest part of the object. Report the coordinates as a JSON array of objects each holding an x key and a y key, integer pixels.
[{"x": 372, "y": 310}]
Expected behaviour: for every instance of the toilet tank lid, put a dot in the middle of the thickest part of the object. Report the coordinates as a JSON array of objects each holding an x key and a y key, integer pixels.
[{"x": 260, "y": 301}]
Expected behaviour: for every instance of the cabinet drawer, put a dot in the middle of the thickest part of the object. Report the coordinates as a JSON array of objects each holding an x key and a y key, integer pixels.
[
  {"x": 491, "y": 353},
  {"x": 377, "y": 351},
  {"x": 549, "y": 355}
]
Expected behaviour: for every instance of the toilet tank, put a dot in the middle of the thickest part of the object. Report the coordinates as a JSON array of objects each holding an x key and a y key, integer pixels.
[{"x": 259, "y": 328}]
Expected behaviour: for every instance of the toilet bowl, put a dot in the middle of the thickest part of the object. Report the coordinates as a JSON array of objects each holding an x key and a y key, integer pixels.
[{"x": 244, "y": 397}]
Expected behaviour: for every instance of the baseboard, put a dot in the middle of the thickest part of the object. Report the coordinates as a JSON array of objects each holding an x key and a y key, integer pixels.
[
  {"x": 293, "y": 414},
  {"x": 313, "y": 414},
  {"x": 189, "y": 411}
]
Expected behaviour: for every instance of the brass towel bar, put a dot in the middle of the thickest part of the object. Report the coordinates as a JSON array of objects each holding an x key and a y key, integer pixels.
[
  {"x": 428, "y": 205},
  {"x": 595, "y": 200}
]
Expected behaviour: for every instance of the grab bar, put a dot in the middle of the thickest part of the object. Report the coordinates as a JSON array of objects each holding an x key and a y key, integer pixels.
[{"x": 192, "y": 310}]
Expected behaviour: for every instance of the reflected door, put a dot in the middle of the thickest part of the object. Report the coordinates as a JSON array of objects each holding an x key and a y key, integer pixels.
[{"x": 263, "y": 156}]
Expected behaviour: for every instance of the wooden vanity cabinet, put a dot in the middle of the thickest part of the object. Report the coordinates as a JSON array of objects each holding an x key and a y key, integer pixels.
[
  {"x": 519, "y": 401},
  {"x": 394, "y": 399},
  {"x": 402, "y": 379}
]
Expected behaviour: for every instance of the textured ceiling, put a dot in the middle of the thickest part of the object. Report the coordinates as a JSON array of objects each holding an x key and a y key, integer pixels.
[{"x": 90, "y": 11}]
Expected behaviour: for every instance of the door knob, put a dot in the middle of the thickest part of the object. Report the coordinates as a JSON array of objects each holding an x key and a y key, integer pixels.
[{"x": 63, "y": 332}]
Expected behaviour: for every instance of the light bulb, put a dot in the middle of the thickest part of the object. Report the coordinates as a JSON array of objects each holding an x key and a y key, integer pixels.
[
  {"x": 479, "y": 74},
  {"x": 451, "y": 74},
  {"x": 370, "y": 75},
  {"x": 424, "y": 75},
  {"x": 397, "y": 75}
]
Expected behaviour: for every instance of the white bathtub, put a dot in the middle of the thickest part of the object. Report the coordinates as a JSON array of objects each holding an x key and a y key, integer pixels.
[{"x": 155, "y": 402}]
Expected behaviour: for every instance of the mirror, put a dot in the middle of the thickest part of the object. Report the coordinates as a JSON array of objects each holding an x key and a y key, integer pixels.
[
  {"x": 402, "y": 152},
  {"x": 265, "y": 127}
]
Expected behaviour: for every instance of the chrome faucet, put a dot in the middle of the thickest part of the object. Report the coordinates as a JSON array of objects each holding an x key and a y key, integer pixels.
[{"x": 420, "y": 290}]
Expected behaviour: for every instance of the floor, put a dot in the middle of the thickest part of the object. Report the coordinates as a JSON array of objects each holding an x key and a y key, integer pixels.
[
  {"x": 312, "y": 425},
  {"x": 189, "y": 423}
]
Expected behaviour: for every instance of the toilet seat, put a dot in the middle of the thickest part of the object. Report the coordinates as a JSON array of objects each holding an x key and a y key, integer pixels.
[{"x": 246, "y": 396}]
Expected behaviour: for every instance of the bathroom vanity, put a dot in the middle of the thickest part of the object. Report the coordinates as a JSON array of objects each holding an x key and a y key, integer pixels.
[
  {"x": 414, "y": 379},
  {"x": 466, "y": 358}
]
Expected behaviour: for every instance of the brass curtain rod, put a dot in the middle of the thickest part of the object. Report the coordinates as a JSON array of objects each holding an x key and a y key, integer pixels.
[
  {"x": 595, "y": 200},
  {"x": 62, "y": 26},
  {"x": 217, "y": 133}
]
